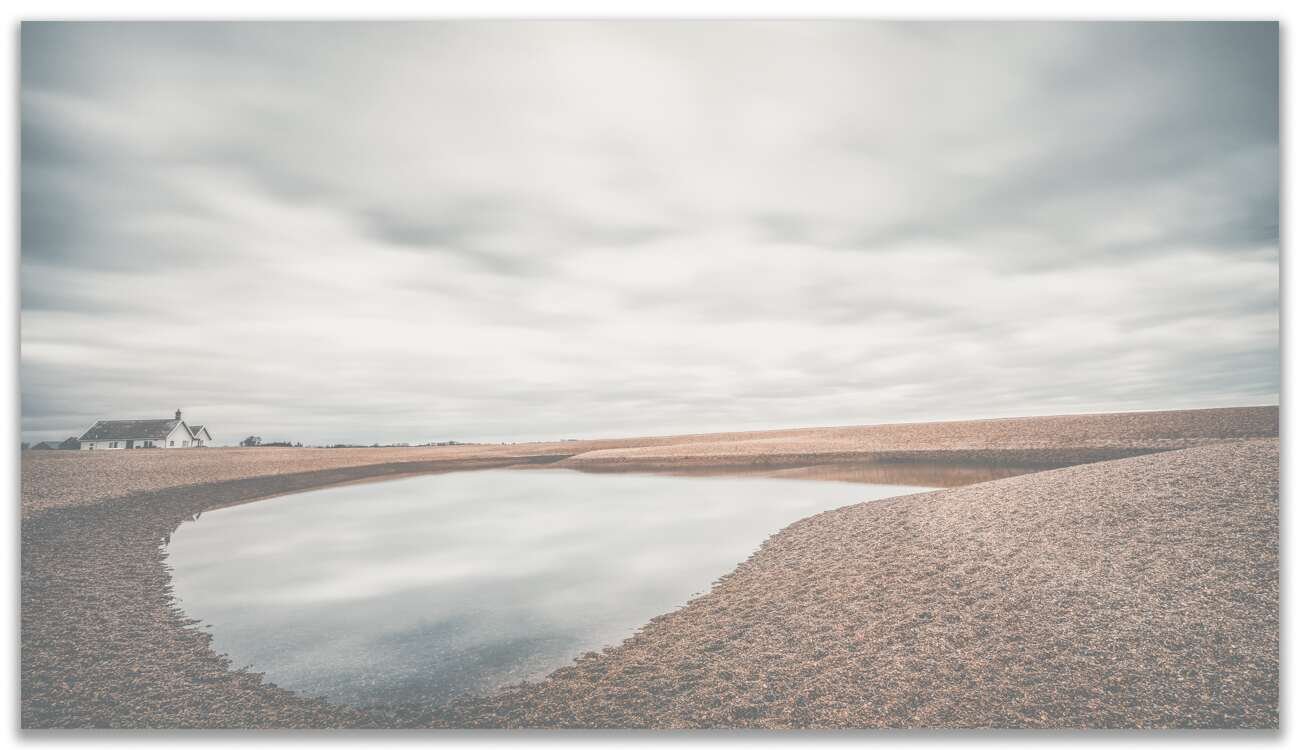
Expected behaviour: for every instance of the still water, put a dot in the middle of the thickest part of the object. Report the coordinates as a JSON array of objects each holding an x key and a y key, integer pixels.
[{"x": 425, "y": 588}]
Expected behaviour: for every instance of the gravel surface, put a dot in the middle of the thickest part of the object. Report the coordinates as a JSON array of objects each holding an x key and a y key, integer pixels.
[
  {"x": 1043, "y": 441},
  {"x": 1133, "y": 593},
  {"x": 58, "y": 479},
  {"x": 1140, "y": 592}
]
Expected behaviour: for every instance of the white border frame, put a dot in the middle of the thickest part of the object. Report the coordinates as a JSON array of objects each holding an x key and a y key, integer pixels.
[{"x": 410, "y": 9}]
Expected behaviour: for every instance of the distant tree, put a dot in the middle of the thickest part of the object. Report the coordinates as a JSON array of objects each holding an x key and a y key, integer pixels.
[
  {"x": 252, "y": 441},
  {"x": 26, "y": 446}
]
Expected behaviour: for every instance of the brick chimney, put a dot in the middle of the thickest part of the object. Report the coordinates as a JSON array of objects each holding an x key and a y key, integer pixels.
[{"x": 178, "y": 414}]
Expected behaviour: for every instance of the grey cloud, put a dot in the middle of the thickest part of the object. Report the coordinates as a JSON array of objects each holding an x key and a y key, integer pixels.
[
  {"x": 360, "y": 232},
  {"x": 82, "y": 204},
  {"x": 1127, "y": 109}
]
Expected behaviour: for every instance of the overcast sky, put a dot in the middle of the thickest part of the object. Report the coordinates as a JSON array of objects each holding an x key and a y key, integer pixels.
[{"x": 512, "y": 231}]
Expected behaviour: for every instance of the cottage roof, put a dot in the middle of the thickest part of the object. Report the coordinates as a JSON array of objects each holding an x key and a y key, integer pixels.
[
  {"x": 131, "y": 429},
  {"x": 195, "y": 429}
]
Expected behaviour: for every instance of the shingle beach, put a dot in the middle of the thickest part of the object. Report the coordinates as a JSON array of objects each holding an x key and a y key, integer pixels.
[{"x": 1136, "y": 588}]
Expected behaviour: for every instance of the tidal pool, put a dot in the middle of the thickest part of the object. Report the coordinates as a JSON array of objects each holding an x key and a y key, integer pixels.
[{"x": 425, "y": 588}]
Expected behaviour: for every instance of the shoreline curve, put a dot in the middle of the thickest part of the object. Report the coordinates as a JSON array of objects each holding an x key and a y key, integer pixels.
[{"x": 104, "y": 645}]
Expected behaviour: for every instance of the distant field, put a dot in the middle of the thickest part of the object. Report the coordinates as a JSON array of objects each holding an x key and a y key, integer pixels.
[{"x": 61, "y": 478}]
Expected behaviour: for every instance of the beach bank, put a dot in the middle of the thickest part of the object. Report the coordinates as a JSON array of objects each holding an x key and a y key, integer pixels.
[
  {"x": 1135, "y": 593},
  {"x": 1038, "y": 600}
]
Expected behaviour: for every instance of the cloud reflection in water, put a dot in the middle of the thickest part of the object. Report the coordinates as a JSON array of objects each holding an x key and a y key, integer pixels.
[{"x": 424, "y": 588}]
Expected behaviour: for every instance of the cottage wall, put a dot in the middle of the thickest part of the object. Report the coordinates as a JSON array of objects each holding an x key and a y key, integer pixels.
[
  {"x": 117, "y": 445},
  {"x": 179, "y": 437}
]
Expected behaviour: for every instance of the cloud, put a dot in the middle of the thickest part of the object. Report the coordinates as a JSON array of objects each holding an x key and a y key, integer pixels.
[{"x": 489, "y": 230}]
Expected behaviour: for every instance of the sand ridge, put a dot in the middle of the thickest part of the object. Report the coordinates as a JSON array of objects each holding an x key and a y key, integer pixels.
[{"x": 60, "y": 478}]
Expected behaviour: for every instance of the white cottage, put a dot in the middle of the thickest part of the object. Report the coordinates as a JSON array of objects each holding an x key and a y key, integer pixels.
[
  {"x": 199, "y": 436},
  {"x": 118, "y": 434}
]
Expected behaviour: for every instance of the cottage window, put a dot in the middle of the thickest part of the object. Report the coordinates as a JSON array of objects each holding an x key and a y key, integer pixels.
[{"x": 171, "y": 443}]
